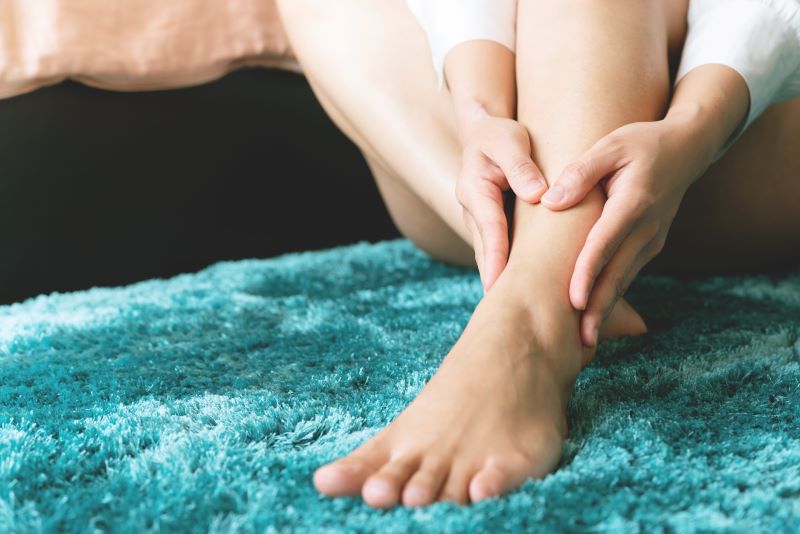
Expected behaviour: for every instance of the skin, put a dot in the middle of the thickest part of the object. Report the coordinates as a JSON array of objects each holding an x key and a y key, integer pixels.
[
  {"x": 496, "y": 156},
  {"x": 646, "y": 170},
  {"x": 493, "y": 415}
]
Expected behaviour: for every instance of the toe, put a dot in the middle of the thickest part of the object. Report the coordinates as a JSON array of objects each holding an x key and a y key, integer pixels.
[
  {"x": 456, "y": 487},
  {"x": 342, "y": 477},
  {"x": 346, "y": 475},
  {"x": 382, "y": 490},
  {"x": 491, "y": 481},
  {"x": 497, "y": 477},
  {"x": 424, "y": 485}
]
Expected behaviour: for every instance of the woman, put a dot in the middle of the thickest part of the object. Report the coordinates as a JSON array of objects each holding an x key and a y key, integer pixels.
[{"x": 581, "y": 97}]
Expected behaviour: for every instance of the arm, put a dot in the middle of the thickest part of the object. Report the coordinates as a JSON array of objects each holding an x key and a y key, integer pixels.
[
  {"x": 710, "y": 102},
  {"x": 481, "y": 77},
  {"x": 472, "y": 45},
  {"x": 758, "y": 39},
  {"x": 649, "y": 166},
  {"x": 496, "y": 149},
  {"x": 448, "y": 23}
]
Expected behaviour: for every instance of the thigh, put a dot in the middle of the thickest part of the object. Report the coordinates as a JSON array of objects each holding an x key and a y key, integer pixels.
[
  {"x": 417, "y": 221},
  {"x": 370, "y": 65},
  {"x": 744, "y": 213},
  {"x": 411, "y": 215}
]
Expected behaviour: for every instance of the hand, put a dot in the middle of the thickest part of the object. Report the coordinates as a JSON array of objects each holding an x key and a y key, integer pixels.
[
  {"x": 496, "y": 157},
  {"x": 645, "y": 169}
]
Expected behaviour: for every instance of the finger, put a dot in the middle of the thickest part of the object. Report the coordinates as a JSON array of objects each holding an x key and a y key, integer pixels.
[
  {"x": 613, "y": 282},
  {"x": 477, "y": 246},
  {"x": 513, "y": 156},
  {"x": 613, "y": 226},
  {"x": 583, "y": 174},
  {"x": 485, "y": 202}
]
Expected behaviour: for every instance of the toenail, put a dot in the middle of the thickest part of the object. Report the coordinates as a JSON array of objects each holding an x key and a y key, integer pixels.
[
  {"x": 379, "y": 487},
  {"x": 483, "y": 493},
  {"x": 416, "y": 494}
]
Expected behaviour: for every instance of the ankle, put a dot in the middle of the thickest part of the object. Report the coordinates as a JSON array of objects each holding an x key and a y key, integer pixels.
[
  {"x": 538, "y": 295},
  {"x": 549, "y": 328}
]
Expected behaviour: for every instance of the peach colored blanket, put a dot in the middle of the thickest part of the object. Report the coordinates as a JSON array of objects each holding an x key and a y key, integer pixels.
[{"x": 133, "y": 45}]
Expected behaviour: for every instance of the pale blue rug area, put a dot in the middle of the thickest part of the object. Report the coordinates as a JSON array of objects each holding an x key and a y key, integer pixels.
[{"x": 205, "y": 402}]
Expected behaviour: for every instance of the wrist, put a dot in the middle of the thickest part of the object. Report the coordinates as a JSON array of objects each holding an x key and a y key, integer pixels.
[
  {"x": 481, "y": 79},
  {"x": 696, "y": 132},
  {"x": 471, "y": 110},
  {"x": 709, "y": 103}
]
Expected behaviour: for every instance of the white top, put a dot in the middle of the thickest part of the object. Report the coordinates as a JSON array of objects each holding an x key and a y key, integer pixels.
[
  {"x": 451, "y": 22},
  {"x": 760, "y": 39}
]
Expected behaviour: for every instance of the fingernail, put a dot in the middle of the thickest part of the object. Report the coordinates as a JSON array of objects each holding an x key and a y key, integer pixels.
[
  {"x": 534, "y": 186},
  {"x": 554, "y": 195}
]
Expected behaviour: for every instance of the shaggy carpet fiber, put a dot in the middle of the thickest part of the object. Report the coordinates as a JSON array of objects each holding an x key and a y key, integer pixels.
[{"x": 205, "y": 402}]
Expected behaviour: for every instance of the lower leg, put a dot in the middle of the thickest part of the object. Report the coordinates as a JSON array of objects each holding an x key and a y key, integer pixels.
[
  {"x": 493, "y": 415},
  {"x": 583, "y": 70},
  {"x": 358, "y": 58}
]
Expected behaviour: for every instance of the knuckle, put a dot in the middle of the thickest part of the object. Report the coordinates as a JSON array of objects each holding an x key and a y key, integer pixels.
[
  {"x": 620, "y": 286},
  {"x": 490, "y": 174},
  {"x": 642, "y": 201},
  {"x": 520, "y": 168},
  {"x": 602, "y": 246},
  {"x": 613, "y": 142},
  {"x": 651, "y": 231},
  {"x": 514, "y": 132},
  {"x": 462, "y": 192},
  {"x": 485, "y": 188},
  {"x": 658, "y": 244},
  {"x": 578, "y": 171},
  {"x": 494, "y": 248},
  {"x": 466, "y": 217},
  {"x": 494, "y": 225}
]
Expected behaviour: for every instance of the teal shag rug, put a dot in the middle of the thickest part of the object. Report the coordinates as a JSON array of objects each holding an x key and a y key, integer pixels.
[{"x": 205, "y": 402}]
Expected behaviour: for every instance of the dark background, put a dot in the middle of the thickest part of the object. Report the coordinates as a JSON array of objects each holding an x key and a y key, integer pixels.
[{"x": 107, "y": 188}]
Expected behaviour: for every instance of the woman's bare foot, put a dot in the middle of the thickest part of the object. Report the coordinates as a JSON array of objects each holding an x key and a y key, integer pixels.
[
  {"x": 491, "y": 417},
  {"x": 622, "y": 321}
]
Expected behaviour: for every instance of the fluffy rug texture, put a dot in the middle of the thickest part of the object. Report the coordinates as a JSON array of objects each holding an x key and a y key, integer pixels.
[{"x": 205, "y": 402}]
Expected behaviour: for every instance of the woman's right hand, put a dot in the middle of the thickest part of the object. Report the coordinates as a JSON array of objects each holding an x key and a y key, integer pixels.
[{"x": 496, "y": 157}]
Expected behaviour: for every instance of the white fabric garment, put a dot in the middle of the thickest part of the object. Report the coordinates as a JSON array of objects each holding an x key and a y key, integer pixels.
[
  {"x": 451, "y": 22},
  {"x": 760, "y": 39}
]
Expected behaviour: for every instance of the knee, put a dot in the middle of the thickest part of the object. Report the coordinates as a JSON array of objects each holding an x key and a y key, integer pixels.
[
  {"x": 295, "y": 11},
  {"x": 305, "y": 10},
  {"x": 578, "y": 7}
]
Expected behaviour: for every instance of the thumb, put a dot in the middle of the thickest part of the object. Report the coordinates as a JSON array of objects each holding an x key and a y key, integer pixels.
[
  {"x": 581, "y": 176},
  {"x": 523, "y": 175}
]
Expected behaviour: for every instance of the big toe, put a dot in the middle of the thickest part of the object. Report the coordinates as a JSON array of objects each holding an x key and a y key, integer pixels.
[{"x": 342, "y": 477}]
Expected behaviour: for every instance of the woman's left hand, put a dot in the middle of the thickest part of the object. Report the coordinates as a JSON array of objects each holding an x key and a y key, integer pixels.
[{"x": 645, "y": 169}]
